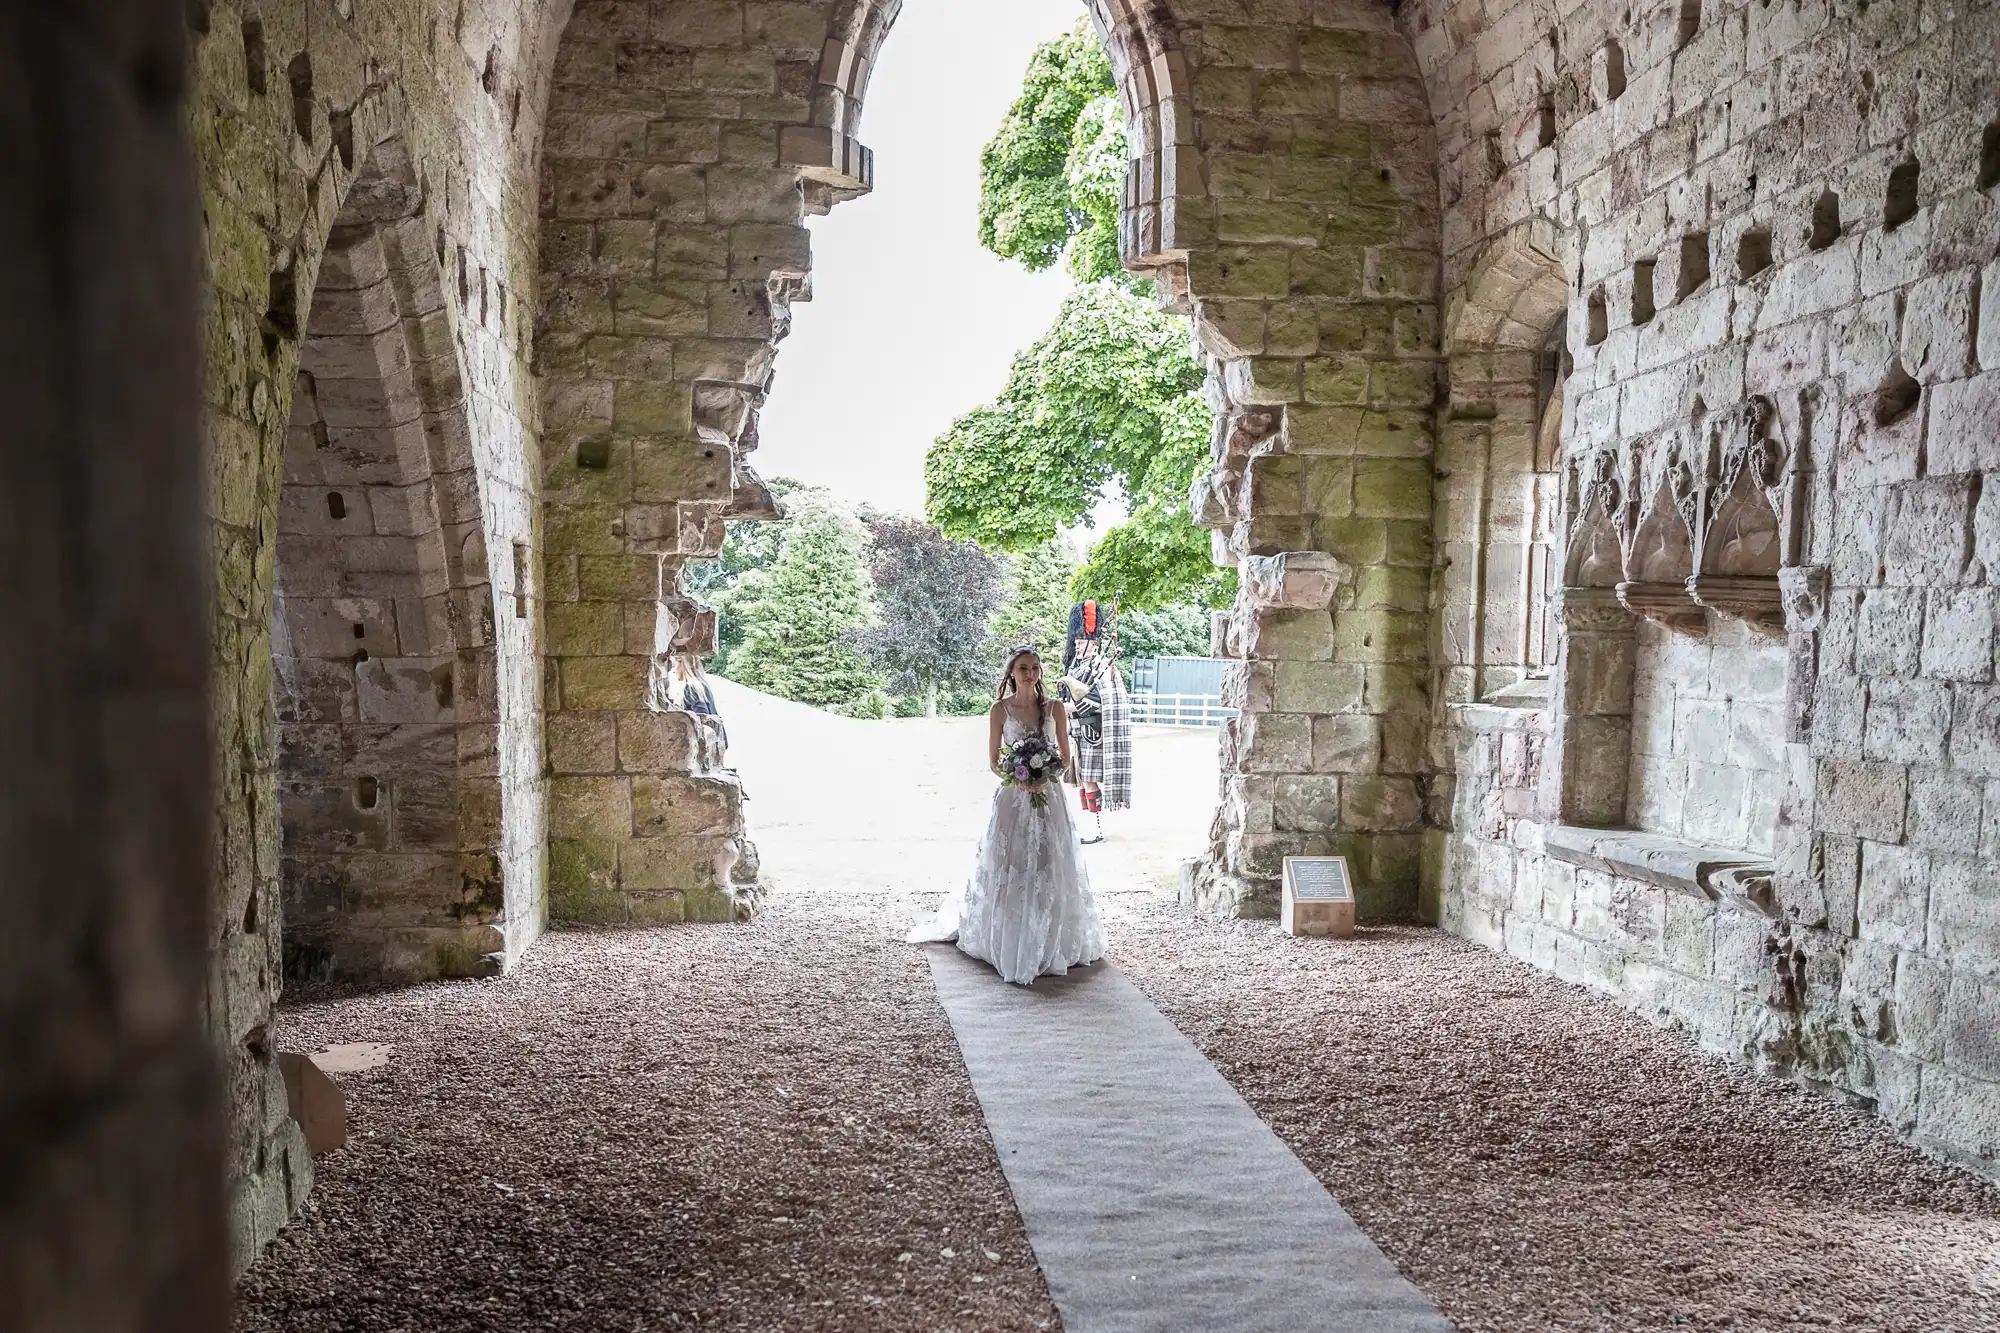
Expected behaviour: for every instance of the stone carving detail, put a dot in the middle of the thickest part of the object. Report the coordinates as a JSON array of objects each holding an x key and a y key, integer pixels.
[
  {"x": 1711, "y": 535},
  {"x": 1804, "y": 592},
  {"x": 1293, "y": 581}
]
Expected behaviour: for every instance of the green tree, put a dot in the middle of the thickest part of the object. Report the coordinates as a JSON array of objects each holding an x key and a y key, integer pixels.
[
  {"x": 934, "y": 597},
  {"x": 1049, "y": 181},
  {"x": 1035, "y": 608},
  {"x": 801, "y": 623},
  {"x": 1110, "y": 394},
  {"x": 735, "y": 578}
]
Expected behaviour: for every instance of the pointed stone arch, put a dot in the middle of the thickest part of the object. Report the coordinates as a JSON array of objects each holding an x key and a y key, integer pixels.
[
  {"x": 384, "y": 660},
  {"x": 1500, "y": 512}
]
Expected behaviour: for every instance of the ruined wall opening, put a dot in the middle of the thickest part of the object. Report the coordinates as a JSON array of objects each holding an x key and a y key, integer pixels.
[
  {"x": 1500, "y": 511},
  {"x": 382, "y": 620}
]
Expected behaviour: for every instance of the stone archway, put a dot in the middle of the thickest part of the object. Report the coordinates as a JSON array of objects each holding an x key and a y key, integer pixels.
[
  {"x": 1499, "y": 528},
  {"x": 672, "y": 246},
  {"x": 1285, "y": 179},
  {"x": 682, "y": 156},
  {"x": 383, "y": 634}
]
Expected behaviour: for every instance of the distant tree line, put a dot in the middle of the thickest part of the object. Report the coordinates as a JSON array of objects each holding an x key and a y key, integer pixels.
[{"x": 873, "y": 614}]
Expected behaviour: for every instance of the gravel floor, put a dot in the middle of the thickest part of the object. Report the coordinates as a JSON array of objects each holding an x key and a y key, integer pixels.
[
  {"x": 748, "y": 1127},
  {"x": 752, "y": 1127},
  {"x": 1536, "y": 1159}
]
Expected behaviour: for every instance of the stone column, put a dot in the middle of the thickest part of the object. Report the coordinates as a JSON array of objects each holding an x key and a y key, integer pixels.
[
  {"x": 112, "y": 1216},
  {"x": 683, "y": 156},
  {"x": 1593, "y": 710}
]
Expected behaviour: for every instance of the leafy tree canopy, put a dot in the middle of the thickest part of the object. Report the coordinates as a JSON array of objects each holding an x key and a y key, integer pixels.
[
  {"x": 1049, "y": 181},
  {"x": 935, "y": 597},
  {"x": 1111, "y": 393},
  {"x": 802, "y": 615},
  {"x": 1035, "y": 611}
]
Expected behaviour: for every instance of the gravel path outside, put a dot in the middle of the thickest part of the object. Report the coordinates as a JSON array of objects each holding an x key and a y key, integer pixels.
[
  {"x": 731, "y": 1127},
  {"x": 1537, "y": 1159}
]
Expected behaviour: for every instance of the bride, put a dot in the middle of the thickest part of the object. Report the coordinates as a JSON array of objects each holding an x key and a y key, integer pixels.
[{"x": 1028, "y": 908}]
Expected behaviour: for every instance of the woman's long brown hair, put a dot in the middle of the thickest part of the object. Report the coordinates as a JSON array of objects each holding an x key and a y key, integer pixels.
[{"x": 1007, "y": 684}]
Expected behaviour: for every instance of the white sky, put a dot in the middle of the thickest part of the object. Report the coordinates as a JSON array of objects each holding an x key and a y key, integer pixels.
[{"x": 911, "y": 323}]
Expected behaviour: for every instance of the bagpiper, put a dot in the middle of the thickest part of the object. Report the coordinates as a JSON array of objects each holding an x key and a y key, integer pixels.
[{"x": 1100, "y": 723}]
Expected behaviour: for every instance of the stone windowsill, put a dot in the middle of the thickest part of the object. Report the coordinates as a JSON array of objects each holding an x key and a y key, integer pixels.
[
  {"x": 1656, "y": 858},
  {"x": 1522, "y": 706}
]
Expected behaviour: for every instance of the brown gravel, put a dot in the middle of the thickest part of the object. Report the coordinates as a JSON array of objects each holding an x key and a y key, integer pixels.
[
  {"x": 1537, "y": 1159},
  {"x": 748, "y": 1127},
  {"x": 732, "y": 1127}
]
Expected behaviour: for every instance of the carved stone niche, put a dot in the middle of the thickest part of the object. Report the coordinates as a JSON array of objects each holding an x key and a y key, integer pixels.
[
  {"x": 1738, "y": 539},
  {"x": 1659, "y": 561},
  {"x": 1757, "y": 602}
]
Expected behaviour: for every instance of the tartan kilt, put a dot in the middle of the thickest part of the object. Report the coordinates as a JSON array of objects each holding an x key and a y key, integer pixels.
[{"x": 1109, "y": 762}]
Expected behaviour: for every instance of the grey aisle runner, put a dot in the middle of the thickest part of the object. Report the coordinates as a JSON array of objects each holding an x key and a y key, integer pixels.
[{"x": 1153, "y": 1195}]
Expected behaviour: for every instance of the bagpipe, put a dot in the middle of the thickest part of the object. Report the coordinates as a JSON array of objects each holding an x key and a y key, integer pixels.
[{"x": 1089, "y": 622}]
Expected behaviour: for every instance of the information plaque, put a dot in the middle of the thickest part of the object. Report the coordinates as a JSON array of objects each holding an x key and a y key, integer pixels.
[
  {"x": 1318, "y": 897},
  {"x": 1319, "y": 879}
]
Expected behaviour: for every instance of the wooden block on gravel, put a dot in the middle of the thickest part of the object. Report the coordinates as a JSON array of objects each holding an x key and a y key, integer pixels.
[{"x": 317, "y": 1102}]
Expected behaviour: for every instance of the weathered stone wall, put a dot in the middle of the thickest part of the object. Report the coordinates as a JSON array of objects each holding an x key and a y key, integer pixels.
[
  {"x": 389, "y": 808},
  {"x": 289, "y": 103},
  {"x": 1514, "y": 612},
  {"x": 111, "y": 1215},
  {"x": 1708, "y": 735},
  {"x": 687, "y": 142},
  {"x": 1771, "y": 221},
  {"x": 1283, "y": 189}
]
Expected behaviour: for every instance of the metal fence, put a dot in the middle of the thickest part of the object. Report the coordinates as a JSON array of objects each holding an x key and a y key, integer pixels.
[{"x": 1180, "y": 710}]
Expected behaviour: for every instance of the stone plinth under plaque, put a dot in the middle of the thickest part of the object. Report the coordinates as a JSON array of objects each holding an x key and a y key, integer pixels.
[{"x": 1318, "y": 897}]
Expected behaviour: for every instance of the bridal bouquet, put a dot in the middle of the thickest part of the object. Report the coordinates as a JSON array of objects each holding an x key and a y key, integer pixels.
[{"x": 1030, "y": 762}]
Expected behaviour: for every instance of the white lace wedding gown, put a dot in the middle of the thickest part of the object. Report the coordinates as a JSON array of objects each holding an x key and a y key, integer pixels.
[{"x": 1027, "y": 909}]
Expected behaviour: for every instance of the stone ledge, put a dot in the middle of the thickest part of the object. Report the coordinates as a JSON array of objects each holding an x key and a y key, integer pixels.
[{"x": 1656, "y": 858}]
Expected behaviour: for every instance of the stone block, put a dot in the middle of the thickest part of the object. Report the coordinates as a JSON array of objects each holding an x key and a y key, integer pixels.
[
  {"x": 1889, "y": 632},
  {"x": 658, "y": 743},
  {"x": 1387, "y": 804},
  {"x": 1306, "y": 804},
  {"x": 1290, "y": 636},
  {"x": 1293, "y": 581},
  {"x": 1908, "y": 721},
  {"x": 582, "y": 742},
  {"x": 686, "y": 807},
  {"x": 1314, "y": 687},
  {"x": 1958, "y": 634},
  {"x": 597, "y": 808},
  {"x": 1964, "y": 909},
  {"x": 585, "y": 629},
  {"x": 1927, "y": 544},
  {"x": 1346, "y": 743},
  {"x": 1972, "y": 1025},
  {"x": 619, "y": 683},
  {"x": 1938, "y": 314},
  {"x": 1276, "y": 743},
  {"x": 1894, "y": 898},
  {"x": 1964, "y": 431},
  {"x": 1866, "y": 800},
  {"x": 1975, "y": 730},
  {"x": 1919, "y": 991},
  {"x": 1961, "y": 1115},
  {"x": 583, "y": 881}
]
